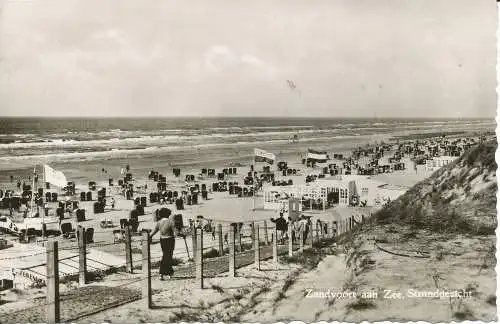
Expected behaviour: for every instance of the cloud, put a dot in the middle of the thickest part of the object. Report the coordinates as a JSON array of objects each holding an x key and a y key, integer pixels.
[
  {"x": 219, "y": 58},
  {"x": 252, "y": 60},
  {"x": 117, "y": 56}
]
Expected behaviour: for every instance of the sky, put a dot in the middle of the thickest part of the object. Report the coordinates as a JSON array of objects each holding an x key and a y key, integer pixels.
[{"x": 363, "y": 58}]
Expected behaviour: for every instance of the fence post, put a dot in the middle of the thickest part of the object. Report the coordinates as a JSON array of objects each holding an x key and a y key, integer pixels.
[
  {"x": 301, "y": 240},
  {"x": 253, "y": 233},
  {"x": 53, "y": 311},
  {"x": 193, "y": 238},
  {"x": 257, "y": 247},
  {"x": 238, "y": 231},
  {"x": 232, "y": 247},
  {"x": 128, "y": 249},
  {"x": 290, "y": 240},
  {"x": 82, "y": 256},
  {"x": 266, "y": 238},
  {"x": 199, "y": 257},
  {"x": 146, "y": 270},
  {"x": 310, "y": 235},
  {"x": 221, "y": 240},
  {"x": 275, "y": 245}
]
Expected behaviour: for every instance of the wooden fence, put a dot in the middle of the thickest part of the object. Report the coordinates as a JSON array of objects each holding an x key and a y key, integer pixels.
[{"x": 266, "y": 243}]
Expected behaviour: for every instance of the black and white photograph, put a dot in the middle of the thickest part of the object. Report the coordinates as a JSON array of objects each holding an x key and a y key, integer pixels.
[{"x": 232, "y": 161}]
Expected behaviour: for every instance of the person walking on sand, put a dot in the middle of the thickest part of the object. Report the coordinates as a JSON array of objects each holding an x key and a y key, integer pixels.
[{"x": 168, "y": 232}]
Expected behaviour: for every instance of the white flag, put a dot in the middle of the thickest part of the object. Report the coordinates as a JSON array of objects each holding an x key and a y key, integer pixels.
[{"x": 57, "y": 178}]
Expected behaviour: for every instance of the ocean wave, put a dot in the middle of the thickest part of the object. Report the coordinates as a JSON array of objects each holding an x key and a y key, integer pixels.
[
  {"x": 149, "y": 139},
  {"x": 120, "y": 137},
  {"x": 281, "y": 127},
  {"x": 17, "y": 135},
  {"x": 152, "y": 150},
  {"x": 161, "y": 140}
]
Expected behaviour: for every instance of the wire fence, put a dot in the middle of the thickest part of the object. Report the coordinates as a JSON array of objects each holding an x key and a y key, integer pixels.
[{"x": 229, "y": 247}]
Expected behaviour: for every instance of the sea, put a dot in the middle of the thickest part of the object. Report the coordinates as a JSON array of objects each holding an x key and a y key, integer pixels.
[{"x": 78, "y": 146}]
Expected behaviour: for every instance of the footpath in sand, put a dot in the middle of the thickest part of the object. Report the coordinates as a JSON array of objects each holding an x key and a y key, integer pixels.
[
  {"x": 116, "y": 289},
  {"x": 276, "y": 292}
]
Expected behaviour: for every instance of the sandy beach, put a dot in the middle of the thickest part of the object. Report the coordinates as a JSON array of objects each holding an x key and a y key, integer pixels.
[
  {"x": 220, "y": 207},
  {"x": 106, "y": 253}
]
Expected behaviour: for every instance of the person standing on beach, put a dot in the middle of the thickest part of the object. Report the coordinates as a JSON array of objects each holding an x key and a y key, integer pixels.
[
  {"x": 168, "y": 232},
  {"x": 11, "y": 178},
  {"x": 281, "y": 226},
  {"x": 112, "y": 203},
  {"x": 303, "y": 226}
]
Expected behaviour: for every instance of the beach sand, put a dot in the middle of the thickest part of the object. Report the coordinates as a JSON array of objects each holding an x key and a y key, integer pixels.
[{"x": 220, "y": 207}]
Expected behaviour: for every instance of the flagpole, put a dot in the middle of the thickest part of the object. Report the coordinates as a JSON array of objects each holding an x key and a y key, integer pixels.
[
  {"x": 253, "y": 183},
  {"x": 32, "y": 192},
  {"x": 43, "y": 216}
]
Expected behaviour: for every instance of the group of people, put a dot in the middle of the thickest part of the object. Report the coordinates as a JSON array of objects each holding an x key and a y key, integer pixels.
[
  {"x": 302, "y": 224},
  {"x": 22, "y": 184},
  {"x": 127, "y": 169}
]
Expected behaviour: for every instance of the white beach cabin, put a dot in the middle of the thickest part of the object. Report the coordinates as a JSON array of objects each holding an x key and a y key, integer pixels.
[{"x": 438, "y": 162}]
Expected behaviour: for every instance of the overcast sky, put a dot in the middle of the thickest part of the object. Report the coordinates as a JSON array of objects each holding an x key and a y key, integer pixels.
[{"x": 392, "y": 58}]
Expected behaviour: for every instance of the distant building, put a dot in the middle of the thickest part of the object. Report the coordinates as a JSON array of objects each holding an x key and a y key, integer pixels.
[
  {"x": 341, "y": 190},
  {"x": 438, "y": 162}
]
